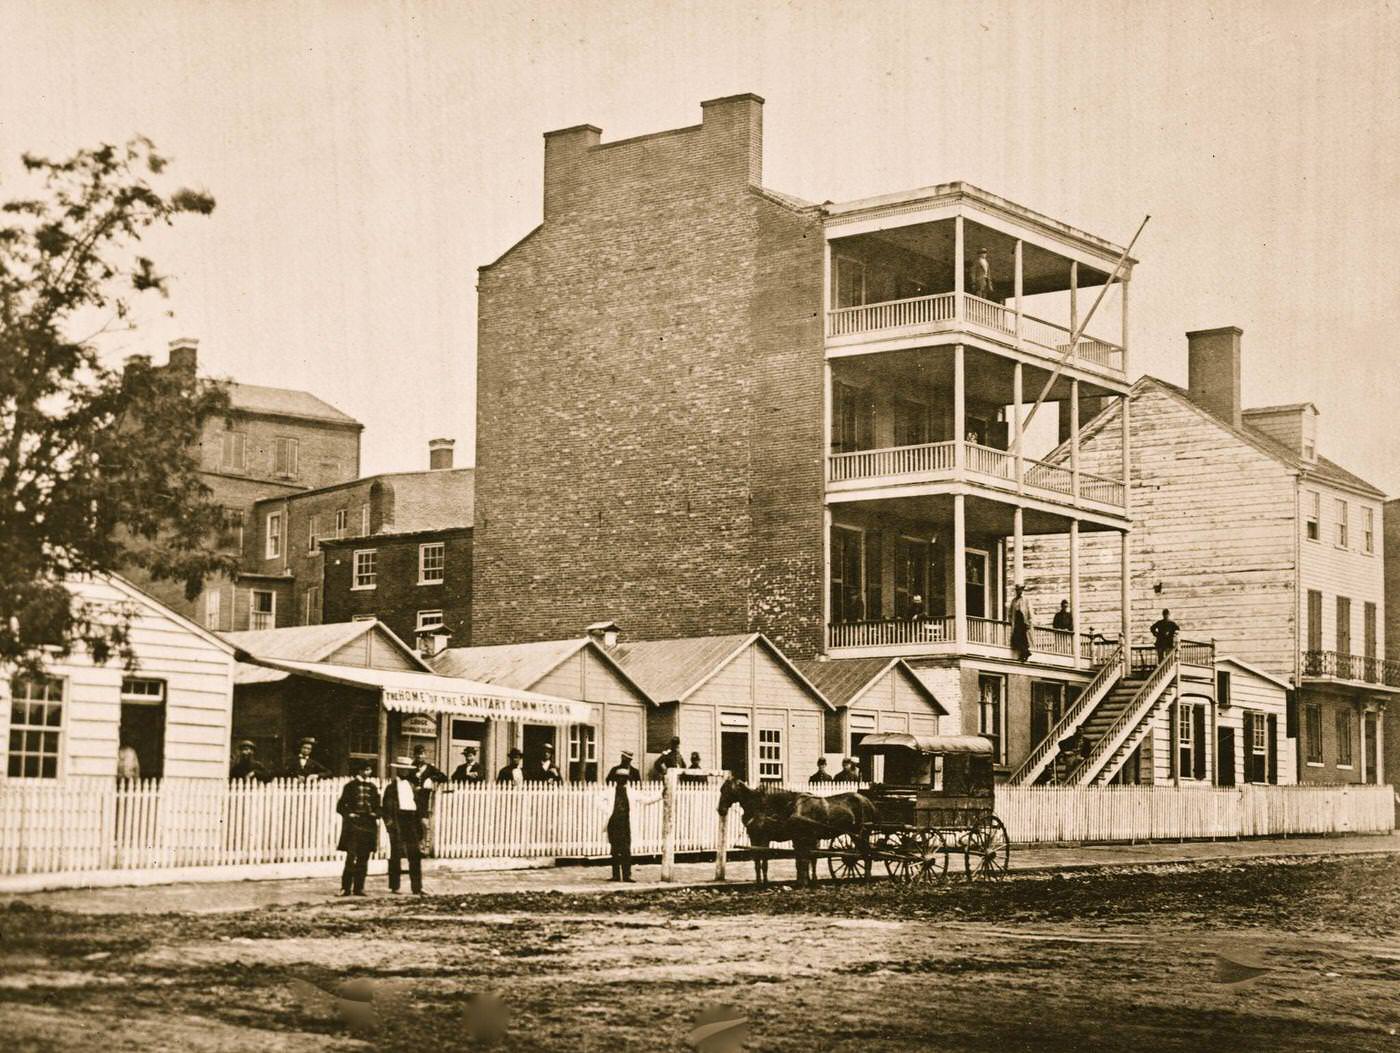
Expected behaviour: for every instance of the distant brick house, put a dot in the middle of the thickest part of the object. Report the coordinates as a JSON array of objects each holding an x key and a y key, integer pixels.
[{"x": 273, "y": 443}]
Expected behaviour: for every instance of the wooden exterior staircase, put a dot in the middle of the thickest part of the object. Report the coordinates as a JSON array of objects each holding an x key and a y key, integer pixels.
[
  {"x": 1125, "y": 721},
  {"x": 1041, "y": 765}
]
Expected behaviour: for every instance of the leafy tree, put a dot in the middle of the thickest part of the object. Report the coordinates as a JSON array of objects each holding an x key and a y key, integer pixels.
[{"x": 97, "y": 466}]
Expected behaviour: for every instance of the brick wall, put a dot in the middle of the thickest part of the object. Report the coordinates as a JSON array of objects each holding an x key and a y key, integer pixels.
[
  {"x": 649, "y": 397},
  {"x": 397, "y": 597},
  {"x": 327, "y": 453}
]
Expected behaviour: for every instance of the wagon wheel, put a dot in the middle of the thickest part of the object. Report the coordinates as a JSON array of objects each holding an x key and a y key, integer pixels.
[
  {"x": 987, "y": 849},
  {"x": 933, "y": 867},
  {"x": 903, "y": 854},
  {"x": 845, "y": 859}
]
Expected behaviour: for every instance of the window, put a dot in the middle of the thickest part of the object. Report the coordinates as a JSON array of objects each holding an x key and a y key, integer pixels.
[
  {"x": 427, "y": 618},
  {"x": 36, "y": 719},
  {"x": 1368, "y": 630},
  {"x": 855, "y": 575},
  {"x": 1260, "y": 762},
  {"x": 147, "y": 692},
  {"x": 1341, "y": 524},
  {"x": 1259, "y": 736},
  {"x": 1314, "y": 620},
  {"x": 273, "y": 548},
  {"x": 364, "y": 617},
  {"x": 1314, "y": 515},
  {"x": 1368, "y": 531},
  {"x": 1191, "y": 740},
  {"x": 991, "y": 714},
  {"x": 364, "y": 731},
  {"x": 583, "y": 753},
  {"x": 1309, "y": 450},
  {"x": 213, "y": 609},
  {"x": 342, "y": 522},
  {"x": 284, "y": 457},
  {"x": 850, "y": 282},
  {"x": 366, "y": 561},
  {"x": 313, "y": 534},
  {"x": 1222, "y": 688},
  {"x": 233, "y": 451},
  {"x": 915, "y": 592},
  {"x": 231, "y": 529},
  {"x": 1343, "y": 627},
  {"x": 364, "y": 521},
  {"x": 911, "y": 423},
  {"x": 1343, "y": 738},
  {"x": 262, "y": 609},
  {"x": 770, "y": 755},
  {"x": 311, "y": 605},
  {"x": 1312, "y": 728},
  {"x": 432, "y": 563},
  {"x": 852, "y": 419}
]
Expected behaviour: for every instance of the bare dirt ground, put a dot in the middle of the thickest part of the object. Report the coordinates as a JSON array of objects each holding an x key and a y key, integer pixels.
[{"x": 1115, "y": 960}]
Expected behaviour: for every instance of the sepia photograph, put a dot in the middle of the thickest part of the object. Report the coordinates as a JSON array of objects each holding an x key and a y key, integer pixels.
[{"x": 805, "y": 526}]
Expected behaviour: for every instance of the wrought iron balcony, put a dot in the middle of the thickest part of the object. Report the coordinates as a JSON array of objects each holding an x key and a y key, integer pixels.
[{"x": 1338, "y": 665}]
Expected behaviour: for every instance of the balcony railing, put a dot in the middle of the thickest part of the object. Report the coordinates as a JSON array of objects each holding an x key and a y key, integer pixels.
[
  {"x": 1358, "y": 668},
  {"x": 890, "y": 314},
  {"x": 896, "y": 460},
  {"x": 982, "y": 632},
  {"x": 931, "y": 458},
  {"x": 989, "y": 633},
  {"x": 941, "y": 307},
  {"x": 1190, "y": 652},
  {"x": 893, "y": 632}
]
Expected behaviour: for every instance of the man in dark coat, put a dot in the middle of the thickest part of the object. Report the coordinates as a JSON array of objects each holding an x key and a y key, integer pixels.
[
  {"x": 1064, "y": 619},
  {"x": 404, "y": 822},
  {"x": 623, "y": 770},
  {"x": 821, "y": 774},
  {"x": 359, "y": 828},
  {"x": 247, "y": 765},
  {"x": 850, "y": 771},
  {"x": 672, "y": 758},
  {"x": 620, "y": 821},
  {"x": 304, "y": 766},
  {"x": 513, "y": 772},
  {"x": 1164, "y": 632},
  {"x": 543, "y": 770},
  {"x": 1020, "y": 614},
  {"x": 469, "y": 770}
]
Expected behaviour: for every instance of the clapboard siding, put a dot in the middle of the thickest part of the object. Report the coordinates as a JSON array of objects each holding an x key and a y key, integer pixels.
[
  {"x": 619, "y": 709},
  {"x": 1214, "y": 522},
  {"x": 374, "y": 650},
  {"x": 1336, "y": 571},
  {"x": 896, "y": 705},
  {"x": 198, "y": 677},
  {"x": 1250, "y": 693}
]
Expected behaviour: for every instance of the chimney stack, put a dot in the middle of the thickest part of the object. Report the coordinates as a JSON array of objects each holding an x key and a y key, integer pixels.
[
  {"x": 184, "y": 355},
  {"x": 606, "y": 634},
  {"x": 564, "y": 152},
  {"x": 440, "y": 453},
  {"x": 733, "y": 127},
  {"x": 1213, "y": 367}
]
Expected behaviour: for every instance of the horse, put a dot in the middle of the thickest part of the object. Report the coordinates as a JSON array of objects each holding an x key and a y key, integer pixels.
[{"x": 802, "y": 818}]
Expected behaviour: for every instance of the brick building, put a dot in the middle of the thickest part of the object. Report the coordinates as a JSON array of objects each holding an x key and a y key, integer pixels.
[
  {"x": 414, "y": 526},
  {"x": 706, "y": 407},
  {"x": 274, "y": 443}
]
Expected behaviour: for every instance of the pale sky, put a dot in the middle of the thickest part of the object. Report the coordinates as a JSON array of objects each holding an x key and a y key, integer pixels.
[{"x": 368, "y": 156}]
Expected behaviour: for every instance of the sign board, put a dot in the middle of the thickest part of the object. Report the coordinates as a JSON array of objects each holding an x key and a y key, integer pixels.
[
  {"x": 420, "y": 726},
  {"x": 487, "y": 707}
]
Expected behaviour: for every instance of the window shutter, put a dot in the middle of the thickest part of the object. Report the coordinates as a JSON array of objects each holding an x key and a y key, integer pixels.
[
  {"x": 1248, "y": 745},
  {"x": 1273, "y": 748},
  {"x": 1198, "y": 760},
  {"x": 1290, "y": 709}
]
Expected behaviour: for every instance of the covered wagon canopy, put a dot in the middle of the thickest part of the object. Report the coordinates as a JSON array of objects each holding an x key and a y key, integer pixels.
[
  {"x": 406, "y": 691},
  {"x": 883, "y": 743}
]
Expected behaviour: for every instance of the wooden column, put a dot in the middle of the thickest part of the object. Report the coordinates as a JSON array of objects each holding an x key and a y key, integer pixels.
[
  {"x": 1125, "y": 597},
  {"x": 960, "y": 568},
  {"x": 1018, "y": 551},
  {"x": 1018, "y": 289},
  {"x": 1074, "y": 305},
  {"x": 959, "y": 408},
  {"x": 959, "y": 269},
  {"x": 1380, "y": 746},
  {"x": 383, "y": 741},
  {"x": 1074, "y": 591},
  {"x": 1074, "y": 437},
  {"x": 1124, "y": 337},
  {"x": 1127, "y": 414},
  {"x": 1016, "y": 397}
]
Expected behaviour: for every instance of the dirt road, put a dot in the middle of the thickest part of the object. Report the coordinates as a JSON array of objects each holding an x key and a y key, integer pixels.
[{"x": 1113, "y": 961}]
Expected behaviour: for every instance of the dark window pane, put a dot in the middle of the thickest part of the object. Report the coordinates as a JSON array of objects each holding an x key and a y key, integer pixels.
[
  {"x": 50, "y": 768},
  {"x": 55, "y": 715},
  {"x": 13, "y": 769},
  {"x": 19, "y": 712},
  {"x": 16, "y": 741},
  {"x": 31, "y": 767}
]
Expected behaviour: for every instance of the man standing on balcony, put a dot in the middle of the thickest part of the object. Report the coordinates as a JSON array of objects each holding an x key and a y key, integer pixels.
[
  {"x": 1164, "y": 632},
  {"x": 1063, "y": 618},
  {"x": 1020, "y": 614},
  {"x": 981, "y": 283}
]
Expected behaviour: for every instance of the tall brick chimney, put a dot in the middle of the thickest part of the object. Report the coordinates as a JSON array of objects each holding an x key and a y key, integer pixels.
[
  {"x": 733, "y": 127},
  {"x": 1213, "y": 368},
  {"x": 184, "y": 355},
  {"x": 440, "y": 453},
  {"x": 564, "y": 152}
]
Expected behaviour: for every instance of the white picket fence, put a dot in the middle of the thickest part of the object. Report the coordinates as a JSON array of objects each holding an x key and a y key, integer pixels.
[{"x": 95, "y": 825}]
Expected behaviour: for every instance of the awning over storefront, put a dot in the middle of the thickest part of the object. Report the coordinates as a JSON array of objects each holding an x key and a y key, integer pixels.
[{"x": 406, "y": 691}]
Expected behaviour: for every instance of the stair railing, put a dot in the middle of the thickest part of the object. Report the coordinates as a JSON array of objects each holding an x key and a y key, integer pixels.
[
  {"x": 1141, "y": 705},
  {"x": 1045, "y": 753}
]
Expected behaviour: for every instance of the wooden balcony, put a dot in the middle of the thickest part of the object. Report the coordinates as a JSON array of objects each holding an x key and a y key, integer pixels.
[
  {"x": 938, "y": 635},
  {"x": 1350, "y": 668},
  {"x": 937, "y": 462},
  {"x": 940, "y": 313}
]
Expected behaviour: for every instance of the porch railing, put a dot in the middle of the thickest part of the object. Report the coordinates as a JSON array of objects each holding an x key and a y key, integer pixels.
[
  {"x": 1046, "y": 476},
  {"x": 892, "y": 632},
  {"x": 1188, "y": 652},
  {"x": 1052, "y": 641},
  {"x": 895, "y": 460},
  {"x": 988, "y": 460},
  {"x": 1343, "y": 666},
  {"x": 992, "y": 315},
  {"x": 988, "y": 632},
  {"x": 890, "y": 314},
  {"x": 1103, "y": 490}
]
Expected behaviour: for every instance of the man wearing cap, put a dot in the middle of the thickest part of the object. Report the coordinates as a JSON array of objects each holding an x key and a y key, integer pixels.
[
  {"x": 469, "y": 770},
  {"x": 982, "y": 284},
  {"x": 620, "y": 818},
  {"x": 694, "y": 774},
  {"x": 246, "y": 767},
  {"x": 359, "y": 829},
  {"x": 850, "y": 771},
  {"x": 404, "y": 823},
  {"x": 623, "y": 770},
  {"x": 821, "y": 774},
  {"x": 513, "y": 772},
  {"x": 543, "y": 769},
  {"x": 672, "y": 758},
  {"x": 305, "y": 767}
]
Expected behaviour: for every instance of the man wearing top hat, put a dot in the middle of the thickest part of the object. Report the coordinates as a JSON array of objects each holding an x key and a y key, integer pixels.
[
  {"x": 247, "y": 765},
  {"x": 359, "y": 828},
  {"x": 404, "y": 822},
  {"x": 543, "y": 769},
  {"x": 513, "y": 772},
  {"x": 304, "y": 766}
]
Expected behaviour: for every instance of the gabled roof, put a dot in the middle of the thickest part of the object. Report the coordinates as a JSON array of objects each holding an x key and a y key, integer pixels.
[
  {"x": 673, "y": 670},
  {"x": 313, "y": 643},
  {"x": 1323, "y": 470},
  {"x": 845, "y": 680},
  {"x": 525, "y": 664},
  {"x": 1253, "y": 670},
  {"x": 254, "y": 398},
  {"x": 138, "y": 594}
]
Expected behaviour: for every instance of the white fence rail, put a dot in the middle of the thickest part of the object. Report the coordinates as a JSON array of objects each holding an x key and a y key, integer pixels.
[{"x": 82, "y": 825}]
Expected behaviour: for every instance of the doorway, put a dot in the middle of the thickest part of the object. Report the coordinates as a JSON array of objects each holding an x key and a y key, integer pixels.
[
  {"x": 143, "y": 724},
  {"x": 976, "y": 583},
  {"x": 534, "y": 739},
  {"x": 1225, "y": 761},
  {"x": 1368, "y": 751},
  {"x": 734, "y": 753}
]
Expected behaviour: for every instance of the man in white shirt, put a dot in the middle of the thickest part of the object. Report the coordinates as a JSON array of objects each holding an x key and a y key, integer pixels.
[
  {"x": 404, "y": 823},
  {"x": 514, "y": 772}
]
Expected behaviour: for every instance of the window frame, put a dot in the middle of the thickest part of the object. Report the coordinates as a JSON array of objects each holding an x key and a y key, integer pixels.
[
  {"x": 1346, "y": 753},
  {"x": 364, "y": 520},
  {"x": 213, "y": 609},
  {"x": 286, "y": 457},
  {"x": 227, "y": 447},
  {"x": 420, "y": 622},
  {"x": 357, "y": 576},
  {"x": 770, "y": 755},
  {"x": 233, "y": 521},
  {"x": 342, "y": 521},
  {"x": 272, "y": 536},
  {"x": 253, "y": 611},
  {"x": 998, "y": 707},
  {"x": 1312, "y": 732},
  {"x": 143, "y": 698},
  {"x": 57, "y": 729},
  {"x": 311, "y": 604},
  {"x": 313, "y": 533},
  {"x": 1368, "y": 530},
  {"x": 423, "y": 552},
  {"x": 1185, "y": 740},
  {"x": 1312, "y": 528},
  {"x": 1340, "y": 506}
]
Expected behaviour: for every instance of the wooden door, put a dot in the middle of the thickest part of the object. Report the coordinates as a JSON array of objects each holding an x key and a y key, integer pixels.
[{"x": 1225, "y": 763}]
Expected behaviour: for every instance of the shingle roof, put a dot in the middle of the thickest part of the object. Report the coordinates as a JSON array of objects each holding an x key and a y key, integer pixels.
[
  {"x": 668, "y": 670},
  {"x": 254, "y": 398},
  {"x": 843, "y": 680},
  {"x": 510, "y": 665},
  {"x": 298, "y": 643}
]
